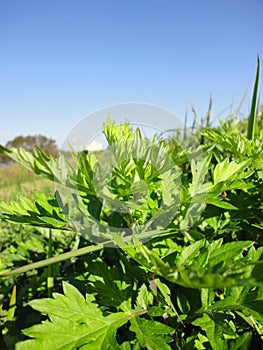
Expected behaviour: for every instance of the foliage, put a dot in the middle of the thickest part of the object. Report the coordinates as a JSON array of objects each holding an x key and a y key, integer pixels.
[{"x": 152, "y": 244}]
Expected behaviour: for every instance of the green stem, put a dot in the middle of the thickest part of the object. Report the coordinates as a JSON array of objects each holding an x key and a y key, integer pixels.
[
  {"x": 50, "y": 277},
  {"x": 81, "y": 251},
  {"x": 53, "y": 260}
]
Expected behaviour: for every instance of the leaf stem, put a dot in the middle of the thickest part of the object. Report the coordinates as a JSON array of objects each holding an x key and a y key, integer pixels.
[
  {"x": 80, "y": 252},
  {"x": 52, "y": 260}
]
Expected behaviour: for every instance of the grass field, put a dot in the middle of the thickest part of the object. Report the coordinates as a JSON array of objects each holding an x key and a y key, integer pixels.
[{"x": 16, "y": 180}]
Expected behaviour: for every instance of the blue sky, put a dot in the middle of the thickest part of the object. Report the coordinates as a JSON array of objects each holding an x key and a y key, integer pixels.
[{"x": 61, "y": 60}]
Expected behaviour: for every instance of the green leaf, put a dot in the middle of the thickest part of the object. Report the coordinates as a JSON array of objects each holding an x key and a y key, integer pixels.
[
  {"x": 213, "y": 330},
  {"x": 229, "y": 252},
  {"x": 144, "y": 298},
  {"x": 75, "y": 322},
  {"x": 225, "y": 170},
  {"x": 190, "y": 252},
  {"x": 165, "y": 291},
  {"x": 242, "y": 342},
  {"x": 151, "y": 334},
  {"x": 108, "y": 283},
  {"x": 44, "y": 211},
  {"x": 220, "y": 203},
  {"x": 38, "y": 161},
  {"x": 199, "y": 171},
  {"x": 12, "y": 305}
]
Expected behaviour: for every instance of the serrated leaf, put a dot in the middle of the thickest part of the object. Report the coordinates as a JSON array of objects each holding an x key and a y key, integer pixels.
[
  {"x": 38, "y": 161},
  {"x": 225, "y": 170},
  {"x": 144, "y": 297},
  {"x": 74, "y": 322},
  {"x": 242, "y": 342},
  {"x": 55, "y": 223},
  {"x": 213, "y": 331},
  {"x": 109, "y": 284},
  {"x": 43, "y": 212},
  {"x": 217, "y": 202},
  {"x": 199, "y": 171},
  {"x": 229, "y": 251},
  {"x": 190, "y": 252},
  {"x": 151, "y": 334}
]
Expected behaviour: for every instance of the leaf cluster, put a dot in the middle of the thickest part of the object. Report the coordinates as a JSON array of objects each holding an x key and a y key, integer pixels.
[{"x": 156, "y": 244}]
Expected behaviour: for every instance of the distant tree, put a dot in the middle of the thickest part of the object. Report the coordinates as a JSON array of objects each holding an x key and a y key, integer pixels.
[
  {"x": 48, "y": 145},
  {"x": 4, "y": 160}
]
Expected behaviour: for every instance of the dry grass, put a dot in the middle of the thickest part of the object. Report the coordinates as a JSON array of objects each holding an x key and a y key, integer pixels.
[{"x": 15, "y": 180}]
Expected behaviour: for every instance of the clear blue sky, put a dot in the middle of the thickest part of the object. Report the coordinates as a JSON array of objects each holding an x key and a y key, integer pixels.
[{"x": 61, "y": 60}]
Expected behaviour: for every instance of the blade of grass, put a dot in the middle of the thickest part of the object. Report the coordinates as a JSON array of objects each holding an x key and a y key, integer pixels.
[
  {"x": 185, "y": 125},
  {"x": 241, "y": 103},
  {"x": 194, "y": 118},
  {"x": 206, "y": 120},
  {"x": 253, "y": 111}
]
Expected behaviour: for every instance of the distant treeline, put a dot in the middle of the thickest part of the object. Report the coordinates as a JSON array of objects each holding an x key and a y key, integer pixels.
[{"x": 48, "y": 145}]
